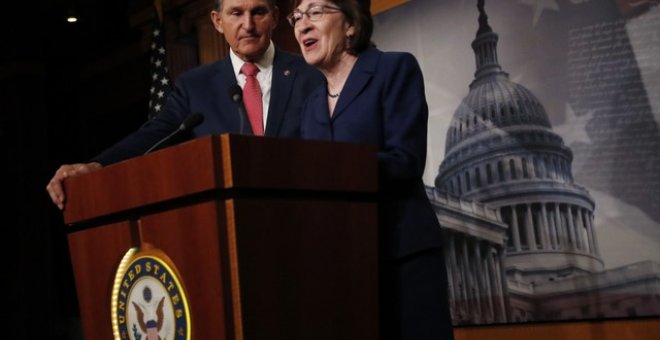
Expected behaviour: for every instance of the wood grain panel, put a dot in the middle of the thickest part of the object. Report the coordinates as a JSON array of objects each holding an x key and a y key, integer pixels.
[
  {"x": 190, "y": 237},
  {"x": 639, "y": 329},
  {"x": 378, "y": 6},
  {"x": 95, "y": 255}
]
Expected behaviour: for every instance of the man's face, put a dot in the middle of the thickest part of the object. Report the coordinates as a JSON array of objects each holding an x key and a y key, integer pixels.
[{"x": 247, "y": 25}]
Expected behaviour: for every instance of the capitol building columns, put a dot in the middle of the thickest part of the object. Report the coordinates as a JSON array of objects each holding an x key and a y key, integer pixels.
[
  {"x": 474, "y": 242},
  {"x": 550, "y": 226}
]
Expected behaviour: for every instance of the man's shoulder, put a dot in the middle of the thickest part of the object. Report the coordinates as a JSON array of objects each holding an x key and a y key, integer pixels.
[{"x": 205, "y": 70}]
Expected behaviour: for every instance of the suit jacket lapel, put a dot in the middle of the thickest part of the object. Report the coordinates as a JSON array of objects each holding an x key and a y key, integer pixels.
[
  {"x": 319, "y": 101},
  {"x": 359, "y": 77},
  {"x": 280, "y": 92},
  {"x": 225, "y": 80}
]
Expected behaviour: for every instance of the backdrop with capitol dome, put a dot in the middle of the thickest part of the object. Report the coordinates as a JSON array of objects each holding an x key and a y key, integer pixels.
[{"x": 544, "y": 153}]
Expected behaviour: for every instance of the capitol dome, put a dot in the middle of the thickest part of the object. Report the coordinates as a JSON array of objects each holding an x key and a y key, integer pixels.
[
  {"x": 495, "y": 102},
  {"x": 501, "y": 151},
  {"x": 499, "y": 116}
]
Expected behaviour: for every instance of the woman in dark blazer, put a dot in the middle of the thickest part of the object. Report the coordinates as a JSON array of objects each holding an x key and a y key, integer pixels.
[{"x": 378, "y": 98}]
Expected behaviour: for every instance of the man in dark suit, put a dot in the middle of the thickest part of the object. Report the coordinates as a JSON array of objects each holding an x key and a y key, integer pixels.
[{"x": 284, "y": 79}]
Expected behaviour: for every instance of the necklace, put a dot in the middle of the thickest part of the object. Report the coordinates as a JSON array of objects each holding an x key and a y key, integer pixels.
[{"x": 333, "y": 95}]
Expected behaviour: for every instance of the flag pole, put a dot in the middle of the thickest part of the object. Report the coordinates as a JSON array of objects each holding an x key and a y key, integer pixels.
[{"x": 158, "y": 4}]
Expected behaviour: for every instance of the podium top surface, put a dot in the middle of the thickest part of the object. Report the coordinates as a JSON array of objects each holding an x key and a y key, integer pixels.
[{"x": 227, "y": 163}]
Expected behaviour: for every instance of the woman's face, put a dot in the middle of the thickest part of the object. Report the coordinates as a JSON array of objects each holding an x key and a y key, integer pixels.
[{"x": 323, "y": 38}]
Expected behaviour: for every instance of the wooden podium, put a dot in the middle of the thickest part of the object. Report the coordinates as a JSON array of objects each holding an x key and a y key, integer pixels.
[{"x": 271, "y": 238}]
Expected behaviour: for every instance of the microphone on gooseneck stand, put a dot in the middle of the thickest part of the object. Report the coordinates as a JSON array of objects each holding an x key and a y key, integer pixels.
[
  {"x": 190, "y": 122},
  {"x": 236, "y": 94}
]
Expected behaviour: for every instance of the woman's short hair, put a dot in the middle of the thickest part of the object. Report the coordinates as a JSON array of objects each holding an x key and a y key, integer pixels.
[{"x": 358, "y": 14}]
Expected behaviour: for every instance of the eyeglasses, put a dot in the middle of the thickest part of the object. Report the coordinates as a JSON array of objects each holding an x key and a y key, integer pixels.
[{"x": 314, "y": 13}]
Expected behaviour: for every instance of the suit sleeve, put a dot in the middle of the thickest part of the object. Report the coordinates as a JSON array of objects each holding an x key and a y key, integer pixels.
[
  {"x": 139, "y": 141},
  {"x": 405, "y": 121}
]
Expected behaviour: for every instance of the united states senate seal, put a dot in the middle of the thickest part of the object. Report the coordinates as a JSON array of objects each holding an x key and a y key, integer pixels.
[{"x": 148, "y": 298}]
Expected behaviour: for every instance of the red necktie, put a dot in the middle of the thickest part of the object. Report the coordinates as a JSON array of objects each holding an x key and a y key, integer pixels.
[{"x": 252, "y": 98}]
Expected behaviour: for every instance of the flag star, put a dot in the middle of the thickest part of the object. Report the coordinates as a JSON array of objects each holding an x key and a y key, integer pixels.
[
  {"x": 539, "y": 6},
  {"x": 160, "y": 84},
  {"x": 574, "y": 128}
]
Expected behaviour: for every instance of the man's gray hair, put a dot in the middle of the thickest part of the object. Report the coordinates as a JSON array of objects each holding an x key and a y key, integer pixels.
[{"x": 271, "y": 4}]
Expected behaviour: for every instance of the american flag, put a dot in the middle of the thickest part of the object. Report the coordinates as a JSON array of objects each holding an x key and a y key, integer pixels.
[{"x": 160, "y": 80}]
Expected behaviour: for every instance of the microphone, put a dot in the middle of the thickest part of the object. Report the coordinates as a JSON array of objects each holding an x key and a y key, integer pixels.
[
  {"x": 236, "y": 94},
  {"x": 190, "y": 122}
]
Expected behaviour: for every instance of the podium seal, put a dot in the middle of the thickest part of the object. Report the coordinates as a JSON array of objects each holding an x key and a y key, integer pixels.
[{"x": 148, "y": 300}]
